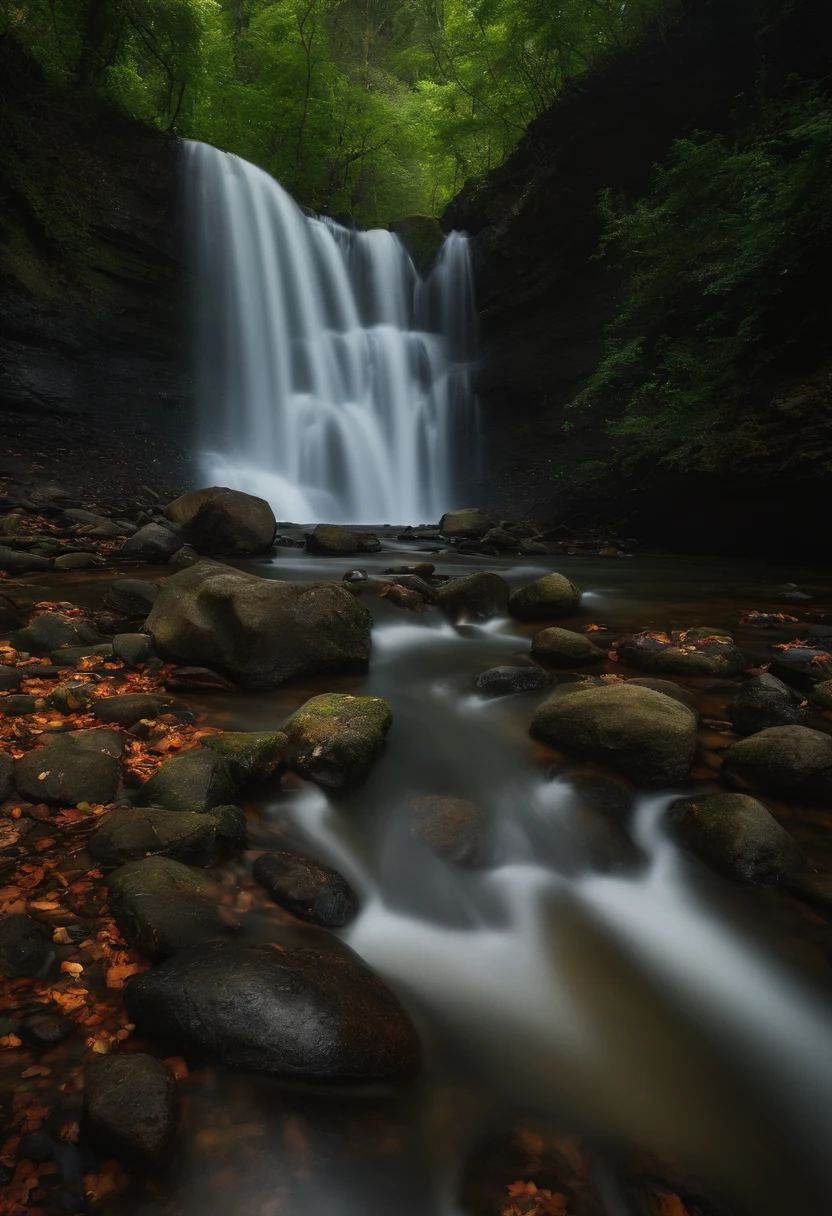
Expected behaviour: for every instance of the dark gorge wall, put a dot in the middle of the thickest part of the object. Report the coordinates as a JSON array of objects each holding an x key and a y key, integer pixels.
[
  {"x": 93, "y": 391},
  {"x": 545, "y": 301}
]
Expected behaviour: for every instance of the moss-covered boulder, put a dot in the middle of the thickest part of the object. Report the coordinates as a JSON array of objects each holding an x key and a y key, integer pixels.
[
  {"x": 476, "y": 596},
  {"x": 563, "y": 648},
  {"x": 765, "y": 701},
  {"x": 131, "y": 1109},
  {"x": 700, "y": 659},
  {"x": 197, "y": 780},
  {"x": 794, "y": 761},
  {"x": 736, "y": 835},
  {"x": 52, "y": 630},
  {"x": 682, "y": 695},
  {"x": 642, "y": 733},
  {"x": 334, "y": 739},
  {"x": 70, "y": 768},
  {"x": 162, "y": 906},
  {"x": 219, "y": 520},
  {"x": 130, "y": 834},
  {"x": 468, "y": 521},
  {"x": 821, "y": 694},
  {"x": 553, "y": 595},
  {"x": 251, "y": 756},
  {"x": 331, "y": 540}
]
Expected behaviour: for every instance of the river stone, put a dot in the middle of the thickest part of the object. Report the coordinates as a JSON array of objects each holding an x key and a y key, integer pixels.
[
  {"x": 131, "y": 834},
  {"x": 480, "y": 595},
  {"x": 77, "y": 561},
  {"x": 219, "y": 520},
  {"x": 68, "y": 698},
  {"x": 18, "y": 705},
  {"x": 669, "y": 689},
  {"x": 802, "y": 666},
  {"x": 71, "y": 656},
  {"x": 470, "y": 521},
  {"x": 705, "y": 659},
  {"x": 300, "y": 1011},
  {"x": 45, "y": 1030},
  {"x": 12, "y": 561},
  {"x": 329, "y": 540},
  {"x": 132, "y": 596},
  {"x": 638, "y": 648},
  {"x": 793, "y": 761},
  {"x": 162, "y": 906},
  {"x": 821, "y": 694},
  {"x": 765, "y": 701},
  {"x": 133, "y": 649},
  {"x": 258, "y": 632},
  {"x": 128, "y": 708},
  {"x": 251, "y": 756},
  {"x": 563, "y": 648},
  {"x": 131, "y": 1108},
  {"x": 451, "y": 827},
  {"x": 6, "y": 776},
  {"x": 25, "y": 948},
  {"x": 9, "y": 616},
  {"x": 51, "y": 631},
  {"x": 307, "y": 888},
  {"x": 70, "y": 768},
  {"x": 551, "y": 596},
  {"x": 152, "y": 543},
  {"x": 504, "y": 680},
  {"x": 196, "y": 780},
  {"x": 736, "y": 835},
  {"x": 502, "y": 539},
  {"x": 10, "y": 678},
  {"x": 334, "y": 739},
  {"x": 647, "y": 736}
]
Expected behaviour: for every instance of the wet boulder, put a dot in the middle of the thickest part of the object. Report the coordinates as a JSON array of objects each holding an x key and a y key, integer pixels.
[
  {"x": 10, "y": 678},
  {"x": 45, "y": 1030},
  {"x": 821, "y": 694},
  {"x": 72, "y": 696},
  {"x": 647, "y": 736},
  {"x": 502, "y": 540},
  {"x": 196, "y": 780},
  {"x": 553, "y": 595},
  {"x": 309, "y": 889},
  {"x": 330, "y": 540},
  {"x": 130, "y": 834},
  {"x": 299, "y": 1011},
  {"x": 334, "y": 739},
  {"x": 802, "y": 666},
  {"x": 9, "y": 615},
  {"x": 132, "y": 596},
  {"x": 52, "y": 631},
  {"x": 131, "y": 1108},
  {"x": 699, "y": 659},
  {"x": 25, "y": 948},
  {"x": 6, "y": 776},
  {"x": 737, "y": 836},
  {"x": 501, "y": 681},
  {"x": 477, "y": 596},
  {"x": 133, "y": 649},
  {"x": 765, "y": 701},
  {"x": 668, "y": 688},
  {"x": 152, "y": 543},
  {"x": 470, "y": 521},
  {"x": 162, "y": 906},
  {"x": 251, "y": 756},
  {"x": 793, "y": 761},
  {"x": 637, "y": 649},
  {"x": 128, "y": 708},
  {"x": 77, "y": 561},
  {"x": 70, "y": 768},
  {"x": 13, "y": 561},
  {"x": 223, "y": 521},
  {"x": 71, "y": 656},
  {"x": 254, "y": 631},
  {"x": 17, "y": 705},
  {"x": 563, "y": 648},
  {"x": 403, "y": 597},
  {"x": 450, "y": 827}
]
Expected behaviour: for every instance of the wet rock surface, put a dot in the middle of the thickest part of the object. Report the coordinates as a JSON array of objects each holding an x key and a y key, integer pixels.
[
  {"x": 563, "y": 648},
  {"x": 197, "y": 780},
  {"x": 331, "y": 540},
  {"x": 794, "y": 761},
  {"x": 451, "y": 827},
  {"x": 470, "y": 521},
  {"x": 334, "y": 739},
  {"x": 554, "y": 595},
  {"x": 162, "y": 906},
  {"x": 71, "y": 768},
  {"x": 478, "y": 596},
  {"x": 223, "y": 521},
  {"x": 131, "y": 1108},
  {"x": 501, "y": 681},
  {"x": 138, "y": 832},
  {"x": 765, "y": 701},
  {"x": 309, "y": 889},
  {"x": 736, "y": 835},
  {"x": 25, "y": 948},
  {"x": 132, "y": 596}
]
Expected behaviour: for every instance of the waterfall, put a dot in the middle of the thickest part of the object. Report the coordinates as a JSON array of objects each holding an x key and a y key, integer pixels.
[{"x": 333, "y": 379}]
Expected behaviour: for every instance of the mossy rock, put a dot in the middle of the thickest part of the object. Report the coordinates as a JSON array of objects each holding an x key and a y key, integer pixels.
[
  {"x": 334, "y": 739},
  {"x": 480, "y": 595},
  {"x": 821, "y": 694},
  {"x": 553, "y": 595},
  {"x": 251, "y": 756},
  {"x": 196, "y": 780},
  {"x": 162, "y": 906},
  {"x": 793, "y": 761},
  {"x": 737, "y": 836},
  {"x": 706, "y": 659},
  {"x": 130, "y": 834},
  {"x": 563, "y": 648}
]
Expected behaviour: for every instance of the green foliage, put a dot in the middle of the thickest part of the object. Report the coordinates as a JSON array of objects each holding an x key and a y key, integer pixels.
[
  {"x": 729, "y": 263},
  {"x": 380, "y": 108}
]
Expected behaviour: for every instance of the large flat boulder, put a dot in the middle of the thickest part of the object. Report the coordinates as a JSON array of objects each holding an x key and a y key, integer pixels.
[
  {"x": 257, "y": 632},
  {"x": 219, "y": 520}
]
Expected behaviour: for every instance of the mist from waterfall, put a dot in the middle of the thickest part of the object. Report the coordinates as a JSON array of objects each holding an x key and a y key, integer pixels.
[{"x": 334, "y": 381}]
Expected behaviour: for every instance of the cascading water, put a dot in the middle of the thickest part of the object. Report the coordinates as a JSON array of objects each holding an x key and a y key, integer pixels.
[{"x": 334, "y": 381}]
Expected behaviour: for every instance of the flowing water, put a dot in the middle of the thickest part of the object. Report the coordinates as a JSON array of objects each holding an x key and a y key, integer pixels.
[
  {"x": 585, "y": 971},
  {"x": 334, "y": 381}
]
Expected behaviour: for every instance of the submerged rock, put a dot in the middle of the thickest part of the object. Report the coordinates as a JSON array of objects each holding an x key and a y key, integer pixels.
[
  {"x": 552, "y": 595},
  {"x": 196, "y": 780},
  {"x": 647, "y": 736},
  {"x": 309, "y": 1011},
  {"x": 451, "y": 827},
  {"x": 257, "y": 632},
  {"x": 500, "y": 681},
  {"x": 480, "y": 595},
  {"x": 6, "y": 777},
  {"x": 70, "y": 768},
  {"x": 470, "y": 521},
  {"x": 51, "y": 631},
  {"x": 794, "y": 761},
  {"x": 821, "y": 694},
  {"x": 162, "y": 906},
  {"x": 12, "y": 561},
  {"x": 132, "y": 596},
  {"x": 563, "y": 648},
  {"x": 10, "y": 678},
  {"x": 25, "y": 948},
  {"x": 134, "y": 833},
  {"x": 334, "y": 739},
  {"x": 45, "y": 1030},
  {"x": 765, "y": 701},
  {"x": 219, "y": 520},
  {"x": 307, "y": 888},
  {"x": 736, "y": 835},
  {"x": 703, "y": 659},
  {"x": 131, "y": 1108},
  {"x": 330, "y": 540}
]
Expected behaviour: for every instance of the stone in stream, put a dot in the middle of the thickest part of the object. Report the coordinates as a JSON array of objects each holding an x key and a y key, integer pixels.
[
  {"x": 45, "y": 1030},
  {"x": 251, "y": 756},
  {"x": 469, "y": 521},
  {"x": 258, "y": 632},
  {"x": 639, "y": 647},
  {"x": 451, "y": 827},
  {"x": 502, "y": 540},
  {"x": 552, "y": 595},
  {"x": 647, "y": 736},
  {"x": 131, "y": 1108},
  {"x": 736, "y": 835},
  {"x": 330, "y": 540},
  {"x": 81, "y": 766},
  {"x": 162, "y": 906},
  {"x": 334, "y": 739},
  {"x": 25, "y": 948},
  {"x": 563, "y": 648},
  {"x": 72, "y": 696},
  {"x": 477, "y": 596},
  {"x": 310, "y": 1011},
  {"x": 196, "y": 780},
  {"x": 133, "y": 649},
  {"x": 223, "y": 521},
  {"x": 132, "y": 596},
  {"x": 669, "y": 689},
  {"x": 802, "y": 666},
  {"x": 703, "y": 659},
  {"x": 199, "y": 679},
  {"x": 6, "y": 776},
  {"x": 77, "y": 561},
  {"x": 793, "y": 761},
  {"x": 71, "y": 656},
  {"x": 309, "y": 889},
  {"x": 18, "y": 705},
  {"x": 403, "y": 597},
  {"x": 821, "y": 694},
  {"x": 51, "y": 631},
  {"x": 501, "y": 681},
  {"x": 138, "y": 832},
  {"x": 152, "y": 543},
  {"x": 13, "y": 562},
  {"x": 10, "y": 678},
  {"x": 765, "y": 701},
  {"x": 128, "y": 708}
]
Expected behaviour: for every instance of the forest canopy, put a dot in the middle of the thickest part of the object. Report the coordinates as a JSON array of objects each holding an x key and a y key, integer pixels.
[{"x": 376, "y": 108}]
